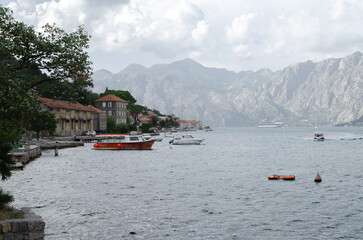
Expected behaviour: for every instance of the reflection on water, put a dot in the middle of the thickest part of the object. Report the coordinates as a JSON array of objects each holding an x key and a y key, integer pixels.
[{"x": 215, "y": 191}]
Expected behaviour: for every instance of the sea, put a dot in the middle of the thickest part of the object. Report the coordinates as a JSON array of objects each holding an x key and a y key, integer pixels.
[{"x": 217, "y": 190}]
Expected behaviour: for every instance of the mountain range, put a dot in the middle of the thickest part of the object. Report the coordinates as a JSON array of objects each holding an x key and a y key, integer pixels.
[{"x": 328, "y": 92}]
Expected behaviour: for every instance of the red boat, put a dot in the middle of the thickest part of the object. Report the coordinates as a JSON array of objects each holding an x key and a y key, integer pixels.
[
  {"x": 123, "y": 142},
  {"x": 277, "y": 177}
]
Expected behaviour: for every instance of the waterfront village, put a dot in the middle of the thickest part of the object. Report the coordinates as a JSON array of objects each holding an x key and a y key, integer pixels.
[{"x": 76, "y": 123}]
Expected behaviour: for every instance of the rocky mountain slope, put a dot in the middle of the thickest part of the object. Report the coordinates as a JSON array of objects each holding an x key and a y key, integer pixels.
[{"x": 328, "y": 92}]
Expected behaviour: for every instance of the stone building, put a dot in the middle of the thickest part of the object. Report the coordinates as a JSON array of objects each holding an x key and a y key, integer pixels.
[
  {"x": 100, "y": 123},
  {"x": 73, "y": 118},
  {"x": 115, "y": 108},
  {"x": 190, "y": 124}
]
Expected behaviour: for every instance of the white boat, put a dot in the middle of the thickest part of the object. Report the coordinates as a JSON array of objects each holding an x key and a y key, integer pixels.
[
  {"x": 168, "y": 135},
  {"x": 186, "y": 139},
  {"x": 148, "y": 136},
  {"x": 319, "y": 136},
  {"x": 266, "y": 124}
]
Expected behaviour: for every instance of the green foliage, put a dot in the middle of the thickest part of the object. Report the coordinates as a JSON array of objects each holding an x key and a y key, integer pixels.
[
  {"x": 157, "y": 112},
  {"x": 135, "y": 111},
  {"x": 122, "y": 128},
  {"x": 125, "y": 95},
  {"x": 168, "y": 123},
  {"x": 5, "y": 199},
  {"x": 43, "y": 121},
  {"x": 24, "y": 53},
  {"x": 155, "y": 120},
  {"x": 111, "y": 125},
  {"x": 119, "y": 128},
  {"x": 145, "y": 127},
  {"x": 5, "y": 160},
  {"x": 10, "y": 213},
  {"x": 162, "y": 123},
  {"x": 29, "y": 59}
]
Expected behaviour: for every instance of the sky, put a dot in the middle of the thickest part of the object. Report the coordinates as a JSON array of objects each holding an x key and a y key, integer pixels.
[{"x": 238, "y": 35}]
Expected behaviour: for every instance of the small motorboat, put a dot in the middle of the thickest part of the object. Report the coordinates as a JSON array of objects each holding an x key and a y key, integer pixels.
[
  {"x": 124, "y": 142},
  {"x": 277, "y": 177},
  {"x": 319, "y": 136},
  {"x": 186, "y": 139}
]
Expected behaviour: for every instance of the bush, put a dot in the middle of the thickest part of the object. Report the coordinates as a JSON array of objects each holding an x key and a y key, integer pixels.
[
  {"x": 5, "y": 199},
  {"x": 122, "y": 128},
  {"x": 145, "y": 127}
]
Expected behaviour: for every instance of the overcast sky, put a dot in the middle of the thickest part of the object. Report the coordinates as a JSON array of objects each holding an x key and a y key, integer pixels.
[{"x": 233, "y": 34}]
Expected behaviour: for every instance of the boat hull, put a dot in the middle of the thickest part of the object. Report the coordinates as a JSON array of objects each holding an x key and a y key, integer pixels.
[
  {"x": 194, "y": 142},
  {"x": 146, "y": 145}
]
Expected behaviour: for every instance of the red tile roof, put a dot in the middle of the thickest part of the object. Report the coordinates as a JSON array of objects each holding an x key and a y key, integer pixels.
[
  {"x": 110, "y": 98},
  {"x": 96, "y": 110},
  {"x": 63, "y": 104}
]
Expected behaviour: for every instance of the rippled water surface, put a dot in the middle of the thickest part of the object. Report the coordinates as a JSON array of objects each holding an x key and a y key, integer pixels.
[{"x": 218, "y": 190}]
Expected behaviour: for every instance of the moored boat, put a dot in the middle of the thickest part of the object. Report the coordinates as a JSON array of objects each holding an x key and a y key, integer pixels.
[
  {"x": 277, "y": 177},
  {"x": 186, "y": 139},
  {"x": 267, "y": 124},
  {"x": 124, "y": 142}
]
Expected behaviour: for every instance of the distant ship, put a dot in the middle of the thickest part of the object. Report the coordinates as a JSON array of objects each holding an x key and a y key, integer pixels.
[{"x": 267, "y": 124}]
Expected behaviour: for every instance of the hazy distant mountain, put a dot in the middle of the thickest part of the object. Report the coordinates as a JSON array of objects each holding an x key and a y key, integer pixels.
[{"x": 327, "y": 92}]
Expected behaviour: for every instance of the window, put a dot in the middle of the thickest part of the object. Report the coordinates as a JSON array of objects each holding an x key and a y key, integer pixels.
[
  {"x": 110, "y": 104},
  {"x": 109, "y": 113},
  {"x": 104, "y": 104},
  {"x": 134, "y": 138}
]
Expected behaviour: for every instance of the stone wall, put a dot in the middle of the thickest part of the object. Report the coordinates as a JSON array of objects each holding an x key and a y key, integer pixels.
[
  {"x": 24, "y": 155},
  {"x": 31, "y": 227}
]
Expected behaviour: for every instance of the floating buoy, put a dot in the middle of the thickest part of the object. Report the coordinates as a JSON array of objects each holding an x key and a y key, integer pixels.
[
  {"x": 277, "y": 177},
  {"x": 317, "y": 178},
  {"x": 171, "y": 148}
]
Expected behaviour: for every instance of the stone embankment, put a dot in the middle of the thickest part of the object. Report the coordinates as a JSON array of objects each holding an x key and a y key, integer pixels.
[
  {"x": 24, "y": 155},
  {"x": 29, "y": 152},
  {"x": 51, "y": 144},
  {"x": 31, "y": 227}
]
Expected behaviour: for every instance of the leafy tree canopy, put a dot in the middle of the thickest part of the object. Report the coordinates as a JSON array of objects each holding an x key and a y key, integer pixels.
[
  {"x": 135, "y": 111},
  {"x": 35, "y": 58},
  {"x": 29, "y": 59},
  {"x": 125, "y": 95},
  {"x": 43, "y": 121}
]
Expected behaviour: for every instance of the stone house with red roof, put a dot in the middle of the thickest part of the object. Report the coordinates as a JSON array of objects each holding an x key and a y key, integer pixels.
[
  {"x": 115, "y": 108},
  {"x": 73, "y": 118}
]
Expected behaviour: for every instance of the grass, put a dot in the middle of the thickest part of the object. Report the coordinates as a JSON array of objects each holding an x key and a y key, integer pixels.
[{"x": 10, "y": 213}]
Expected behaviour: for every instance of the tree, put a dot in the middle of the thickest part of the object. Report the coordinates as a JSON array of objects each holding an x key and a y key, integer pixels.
[
  {"x": 155, "y": 120},
  {"x": 146, "y": 127},
  {"x": 28, "y": 60},
  {"x": 51, "y": 56},
  {"x": 111, "y": 125},
  {"x": 43, "y": 121},
  {"x": 125, "y": 95},
  {"x": 135, "y": 111},
  {"x": 157, "y": 112}
]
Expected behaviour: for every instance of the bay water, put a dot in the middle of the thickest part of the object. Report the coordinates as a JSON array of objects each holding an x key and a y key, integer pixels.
[{"x": 218, "y": 190}]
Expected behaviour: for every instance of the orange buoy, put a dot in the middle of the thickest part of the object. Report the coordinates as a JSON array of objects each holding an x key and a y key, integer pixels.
[
  {"x": 317, "y": 178},
  {"x": 273, "y": 177},
  {"x": 276, "y": 177}
]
